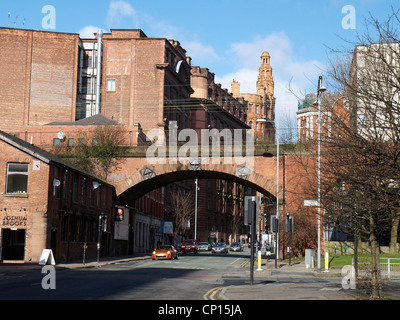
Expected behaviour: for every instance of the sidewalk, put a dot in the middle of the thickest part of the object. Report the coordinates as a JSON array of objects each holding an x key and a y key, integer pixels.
[
  {"x": 103, "y": 261},
  {"x": 296, "y": 282}
]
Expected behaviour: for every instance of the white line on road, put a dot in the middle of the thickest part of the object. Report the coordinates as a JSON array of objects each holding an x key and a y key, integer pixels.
[{"x": 235, "y": 261}]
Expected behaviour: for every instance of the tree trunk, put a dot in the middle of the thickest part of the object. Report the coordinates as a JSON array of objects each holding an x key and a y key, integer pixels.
[
  {"x": 393, "y": 249},
  {"x": 376, "y": 291}
]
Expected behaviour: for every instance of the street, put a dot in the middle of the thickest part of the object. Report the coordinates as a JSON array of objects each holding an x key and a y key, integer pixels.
[
  {"x": 202, "y": 276},
  {"x": 187, "y": 278}
]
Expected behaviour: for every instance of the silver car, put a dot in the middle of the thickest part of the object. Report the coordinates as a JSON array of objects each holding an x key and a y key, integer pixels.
[
  {"x": 220, "y": 247},
  {"x": 204, "y": 246},
  {"x": 236, "y": 246}
]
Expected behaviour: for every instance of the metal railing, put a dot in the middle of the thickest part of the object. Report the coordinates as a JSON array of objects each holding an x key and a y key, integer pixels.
[{"x": 389, "y": 268}]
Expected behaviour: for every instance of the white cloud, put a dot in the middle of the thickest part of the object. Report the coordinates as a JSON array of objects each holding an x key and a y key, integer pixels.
[
  {"x": 120, "y": 13},
  {"x": 200, "y": 52},
  {"x": 286, "y": 70},
  {"x": 88, "y": 31}
]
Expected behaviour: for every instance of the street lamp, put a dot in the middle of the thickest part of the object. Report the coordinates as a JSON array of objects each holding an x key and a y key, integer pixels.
[
  {"x": 277, "y": 187},
  {"x": 195, "y": 210},
  {"x": 320, "y": 90}
]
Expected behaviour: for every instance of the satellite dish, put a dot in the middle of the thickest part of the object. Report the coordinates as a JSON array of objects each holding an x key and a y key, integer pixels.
[{"x": 61, "y": 135}]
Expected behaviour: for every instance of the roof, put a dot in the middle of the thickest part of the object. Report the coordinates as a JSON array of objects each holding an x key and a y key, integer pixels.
[
  {"x": 96, "y": 120},
  {"x": 41, "y": 154}
]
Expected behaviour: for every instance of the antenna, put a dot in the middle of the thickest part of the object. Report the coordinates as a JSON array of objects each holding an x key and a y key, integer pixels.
[
  {"x": 15, "y": 22},
  {"x": 23, "y": 22},
  {"x": 9, "y": 16}
]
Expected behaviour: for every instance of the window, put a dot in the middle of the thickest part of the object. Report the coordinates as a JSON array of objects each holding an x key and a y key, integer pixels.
[
  {"x": 75, "y": 188},
  {"x": 70, "y": 142},
  {"x": 86, "y": 85},
  {"x": 56, "y": 142},
  {"x": 111, "y": 85},
  {"x": 65, "y": 185},
  {"x": 17, "y": 178},
  {"x": 250, "y": 108},
  {"x": 56, "y": 183},
  {"x": 83, "y": 191}
]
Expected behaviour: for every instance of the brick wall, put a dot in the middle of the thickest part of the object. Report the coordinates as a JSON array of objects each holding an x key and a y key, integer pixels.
[
  {"x": 31, "y": 206},
  {"x": 38, "y": 76}
]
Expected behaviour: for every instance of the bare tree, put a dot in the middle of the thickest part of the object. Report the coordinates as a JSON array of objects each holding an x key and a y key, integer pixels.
[
  {"x": 360, "y": 137},
  {"x": 361, "y": 157},
  {"x": 182, "y": 209}
]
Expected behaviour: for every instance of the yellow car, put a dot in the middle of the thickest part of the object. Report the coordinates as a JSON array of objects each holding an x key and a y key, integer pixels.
[{"x": 165, "y": 252}]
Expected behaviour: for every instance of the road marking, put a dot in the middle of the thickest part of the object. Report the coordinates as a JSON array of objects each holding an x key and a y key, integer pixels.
[
  {"x": 210, "y": 295},
  {"x": 330, "y": 289},
  {"x": 235, "y": 261}
]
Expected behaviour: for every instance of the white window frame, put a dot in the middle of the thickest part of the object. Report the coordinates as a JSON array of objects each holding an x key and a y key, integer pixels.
[
  {"x": 10, "y": 172},
  {"x": 111, "y": 85}
]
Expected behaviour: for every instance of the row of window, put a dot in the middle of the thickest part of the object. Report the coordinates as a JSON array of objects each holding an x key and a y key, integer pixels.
[
  {"x": 83, "y": 190},
  {"x": 80, "y": 228},
  {"x": 71, "y": 142},
  {"x": 258, "y": 109}
]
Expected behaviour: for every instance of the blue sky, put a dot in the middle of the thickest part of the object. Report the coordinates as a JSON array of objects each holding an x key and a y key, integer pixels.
[{"x": 226, "y": 36}]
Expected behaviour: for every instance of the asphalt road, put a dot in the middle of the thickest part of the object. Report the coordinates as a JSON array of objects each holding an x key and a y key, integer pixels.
[
  {"x": 202, "y": 276},
  {"x": 188, "y": 278}
]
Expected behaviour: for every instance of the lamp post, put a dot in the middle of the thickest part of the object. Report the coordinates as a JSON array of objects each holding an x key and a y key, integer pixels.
[
  {"x": 320, "y": 90},
  {"x": 195, "y": 210},
  {"x": 277, "y": 188}
]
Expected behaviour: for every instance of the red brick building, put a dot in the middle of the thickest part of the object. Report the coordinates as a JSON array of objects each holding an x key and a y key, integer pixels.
[
  {"x": 334, "y": 108},
  {"x": 45, "y": 203},
  {"x": 144, "y": 79},
  {"x": 38, "y": 77}
]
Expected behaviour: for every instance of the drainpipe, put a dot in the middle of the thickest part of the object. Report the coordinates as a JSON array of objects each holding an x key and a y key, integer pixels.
[{"x": 99, "y": 71}]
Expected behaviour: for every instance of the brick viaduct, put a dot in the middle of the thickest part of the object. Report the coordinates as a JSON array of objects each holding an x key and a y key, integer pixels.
[{"x": 135, "y": 176}]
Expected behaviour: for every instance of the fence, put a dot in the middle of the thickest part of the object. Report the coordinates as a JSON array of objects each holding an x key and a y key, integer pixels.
[{"x": 389, "y": 268}]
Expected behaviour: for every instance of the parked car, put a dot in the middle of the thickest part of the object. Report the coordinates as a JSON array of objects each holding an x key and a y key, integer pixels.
[
  {"x": 236, "y": 246},
  {"x": 189, "y": 245},
  {"x": 204, "y": 246},
  {"x": 220, "y": 247},
  {"x": 164, "y": 252}
]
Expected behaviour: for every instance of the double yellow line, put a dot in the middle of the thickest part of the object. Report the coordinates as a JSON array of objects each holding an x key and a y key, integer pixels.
[{"x": 214, "y": 294}]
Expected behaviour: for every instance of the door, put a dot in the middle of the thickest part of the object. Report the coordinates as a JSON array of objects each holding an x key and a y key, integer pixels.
[{"x": 13, "y": 244}]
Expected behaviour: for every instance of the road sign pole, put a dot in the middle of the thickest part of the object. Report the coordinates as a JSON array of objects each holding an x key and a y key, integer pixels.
[{"x": 252, "y": 213}]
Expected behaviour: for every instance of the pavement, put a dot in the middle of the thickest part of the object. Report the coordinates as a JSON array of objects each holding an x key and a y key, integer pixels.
[{"x": 286, "y": 282}]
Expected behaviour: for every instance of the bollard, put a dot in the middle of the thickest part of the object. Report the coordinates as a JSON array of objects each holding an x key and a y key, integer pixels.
[
  {"x": 326, "y": 261},
  {"x": 259, "y": 261}
]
